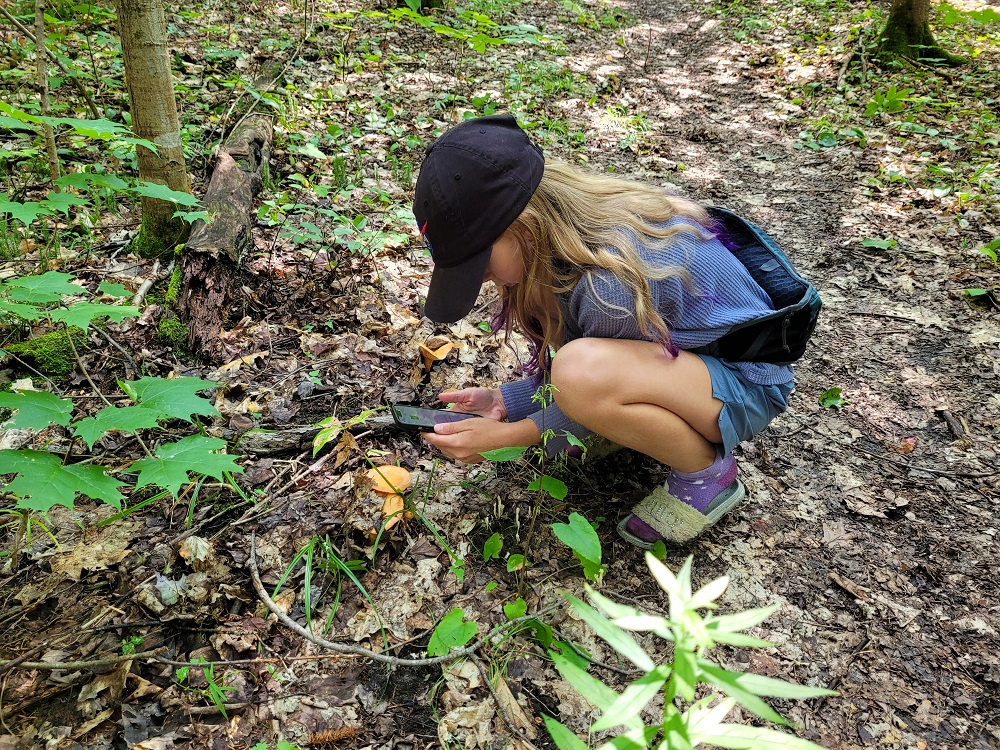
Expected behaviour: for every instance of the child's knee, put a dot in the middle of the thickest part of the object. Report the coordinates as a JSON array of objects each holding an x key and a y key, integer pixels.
[{"x": 580, "y": 372}]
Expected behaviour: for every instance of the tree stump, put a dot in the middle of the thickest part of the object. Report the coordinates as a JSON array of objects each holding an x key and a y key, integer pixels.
[{"x": 214, "y": 251}]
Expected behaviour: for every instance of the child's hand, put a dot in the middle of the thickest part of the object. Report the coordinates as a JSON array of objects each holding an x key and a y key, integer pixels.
[
  {"x": 486, "y": 402},
  {"x": 469, "y": 439}
]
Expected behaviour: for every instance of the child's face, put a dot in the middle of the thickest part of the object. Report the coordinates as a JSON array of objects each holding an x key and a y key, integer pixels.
[{"x": 506, "y": 267}]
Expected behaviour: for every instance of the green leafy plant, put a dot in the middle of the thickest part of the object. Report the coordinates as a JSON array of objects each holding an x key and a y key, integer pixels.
[
  {"x": 491, "y": 550},
  {"x": 78, "y": 189},
  {"x": 889, "y": 101},
  {"x": 989, "y": 250},
  {"x": 215, "y": 692},
  {"x": 982, "y": 295},
  {"x": 43, "y": 480},
  {"x": 332, "y": 428},
  {"x": 579, "y": 535},
  {"x": 878, "y": 244},
  {"x": 320, "y": 555},
  {"x": 832, "y": 398},
  {"x": 687, "y": 721},
  {"x": 454, "y": 631},
  {"x": 130, "y": 644}
]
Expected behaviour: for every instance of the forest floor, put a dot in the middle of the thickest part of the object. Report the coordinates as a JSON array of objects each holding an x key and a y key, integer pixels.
[{"x": 871, "y": 522}]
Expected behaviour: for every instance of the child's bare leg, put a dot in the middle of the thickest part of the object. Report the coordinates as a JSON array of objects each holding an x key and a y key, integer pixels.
[{"x": 634, "y": 393}]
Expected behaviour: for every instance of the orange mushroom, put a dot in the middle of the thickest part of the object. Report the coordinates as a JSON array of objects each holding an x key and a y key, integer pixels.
[
  {"x": 388, "y": 479},
  {"x": 390, "y": 482},
  {"x": 434, "y": 355}
]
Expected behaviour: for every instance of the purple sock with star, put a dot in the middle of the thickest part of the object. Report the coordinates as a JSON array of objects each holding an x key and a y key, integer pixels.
[{"x": 698, "y": 489}]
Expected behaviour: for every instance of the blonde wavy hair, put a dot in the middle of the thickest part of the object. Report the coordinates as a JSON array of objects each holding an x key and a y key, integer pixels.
[{"x": 575, "y": 222}]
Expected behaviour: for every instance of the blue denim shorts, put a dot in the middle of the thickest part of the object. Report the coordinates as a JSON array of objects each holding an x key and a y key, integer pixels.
[{"x": 747, "y": 408}]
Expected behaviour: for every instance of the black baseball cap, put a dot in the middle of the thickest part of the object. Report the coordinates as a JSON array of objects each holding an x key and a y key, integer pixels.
[{"x": 474, "y": 181}]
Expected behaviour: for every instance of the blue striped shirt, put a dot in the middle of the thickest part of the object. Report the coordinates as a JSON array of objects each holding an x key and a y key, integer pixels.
[{"x": 719, "y": 294}]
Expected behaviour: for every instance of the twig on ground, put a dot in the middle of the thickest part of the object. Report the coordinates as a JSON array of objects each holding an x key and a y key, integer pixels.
[
  {"x": 83, "y": 368},
  {"x": 499, "y": 704},
  {"x": 153, "y": 277},
  {"x": 257, "y": 660},
  {"x": 13, "y": 663},
  {"x": 844, "y": 65},
  {"x": 382, "y": 658},
  {"x": 311, "y": 469},
  {"x": 213, "y": 709},
  {"x": 880, "y": 315},
  {"x": 928, "y": 469},
  {"x": 95, "y": 664},
  {"x": 128, "y": 357}
]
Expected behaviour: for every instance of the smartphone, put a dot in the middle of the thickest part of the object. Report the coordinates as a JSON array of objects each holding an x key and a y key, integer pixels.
[{"x": 416, "y": 417}]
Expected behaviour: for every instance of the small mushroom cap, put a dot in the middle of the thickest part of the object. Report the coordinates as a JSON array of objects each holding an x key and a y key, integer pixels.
[{"x": 388, "y": 479}]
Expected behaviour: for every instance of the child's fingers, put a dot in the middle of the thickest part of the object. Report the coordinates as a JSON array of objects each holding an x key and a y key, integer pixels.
[{"x": 452, "y": 428}]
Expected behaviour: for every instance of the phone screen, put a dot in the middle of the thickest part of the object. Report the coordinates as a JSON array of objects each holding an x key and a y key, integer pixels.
[{"x": 425, "y": 419}]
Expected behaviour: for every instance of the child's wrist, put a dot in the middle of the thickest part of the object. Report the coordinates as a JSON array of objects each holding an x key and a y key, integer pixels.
[
  {"x": 498, "y": 400},
  {"x": 524, "y": 433}
]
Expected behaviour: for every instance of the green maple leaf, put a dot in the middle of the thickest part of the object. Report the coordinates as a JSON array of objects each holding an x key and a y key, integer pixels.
[
  {"x": 28, "y": 312},
  {"x": 125, "y": 419},
  {"x": 14, "y": 124},
  {"x": 173, "y": 398},
  {"x": 36, "y": 410},
  {"x": 163, "y": 193},
  {"x": 49, "y": 287},
  {"x": 115, "y": 290},
  {"x": 25, "y": 212},
  {"x": 62, "y": 202},
  {"x": 43, "y": 481},
  {"x": 83, "y": 180},
  {"x": 169, "y": 468},
  {"x": 82, "y": 313},
  {"x": 101, "y": 128}
]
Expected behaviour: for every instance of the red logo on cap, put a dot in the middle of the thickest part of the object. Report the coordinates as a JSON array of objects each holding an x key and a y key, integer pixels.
[{"x": 423, "y": 233}]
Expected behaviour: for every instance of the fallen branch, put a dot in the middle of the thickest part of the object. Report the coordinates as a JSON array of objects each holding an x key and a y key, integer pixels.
[
  {"x": 343, "y": 648},
  {"x": 146, "y": 285},
  {"x": 95, "y": 664},
  {"x": 844, "y": 65},
  {"x": 928, "y": 469},
  {"x": 214, "y": 251}
]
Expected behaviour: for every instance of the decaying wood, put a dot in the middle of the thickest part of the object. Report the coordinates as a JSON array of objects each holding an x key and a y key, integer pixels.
[
  {"x": 294, "y": 438},
  {"x": 214, "y": 251}
]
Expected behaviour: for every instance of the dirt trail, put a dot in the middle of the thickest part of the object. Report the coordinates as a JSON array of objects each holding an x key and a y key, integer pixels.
[{"x": 873, "y": 524}]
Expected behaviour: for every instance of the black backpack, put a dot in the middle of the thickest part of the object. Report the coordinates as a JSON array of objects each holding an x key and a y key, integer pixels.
[{"x": 778, "y": 337}]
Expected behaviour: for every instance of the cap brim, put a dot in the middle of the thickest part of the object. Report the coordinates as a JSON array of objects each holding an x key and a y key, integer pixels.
[{"x": 454, "y": 290}]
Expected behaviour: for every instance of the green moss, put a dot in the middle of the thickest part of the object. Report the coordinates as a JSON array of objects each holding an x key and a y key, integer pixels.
[
  {"x": 51, "y": 353},
  {"x": 154, "y": 241},
  {"x": 173, "y": 333},
  {"x": 173, "y": 287}
]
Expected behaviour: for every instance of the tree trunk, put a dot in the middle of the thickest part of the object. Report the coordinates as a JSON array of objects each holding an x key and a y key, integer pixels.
[
  {"x": 214, "y": 252},
  {"x": 143, "y": 29},
  {"x": 41, "y": 60},
  {"x": 907, "y": 35}
]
